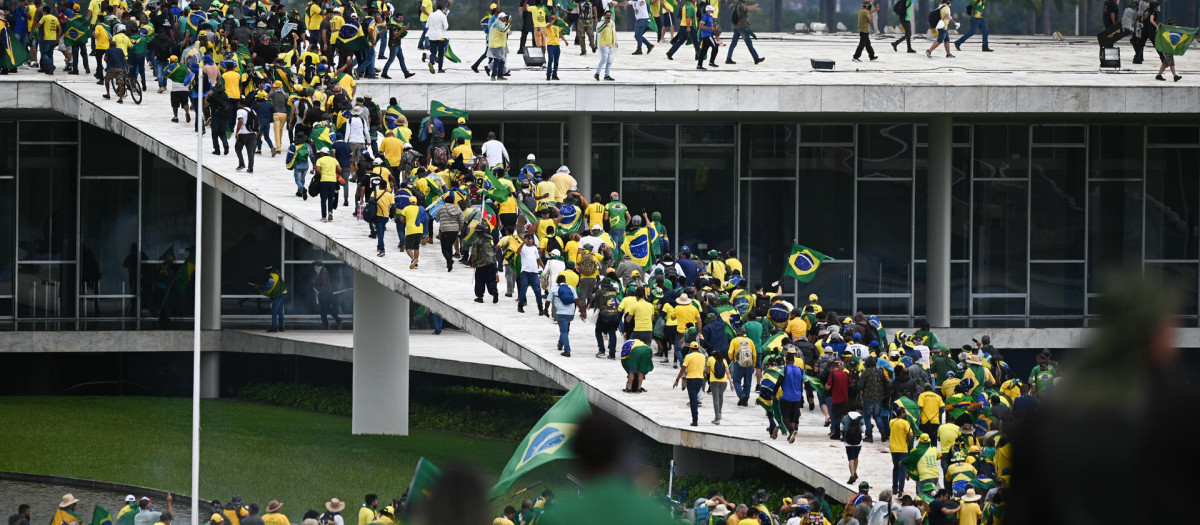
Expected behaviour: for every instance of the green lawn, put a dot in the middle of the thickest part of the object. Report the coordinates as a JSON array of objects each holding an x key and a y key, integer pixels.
[{"x": 260, "y": 452}]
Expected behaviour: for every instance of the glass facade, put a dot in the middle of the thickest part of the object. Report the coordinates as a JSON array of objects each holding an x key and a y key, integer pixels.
[{"x": 1038, "y": 213}]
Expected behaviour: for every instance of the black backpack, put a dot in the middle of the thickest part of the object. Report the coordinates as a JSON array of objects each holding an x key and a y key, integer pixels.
[
  {"x": 900, "y": 8},
  {"x": 252, "y": 123},
  {"x": 853, "y": 432},
  {"x": 719, "y": 369},
  {"x": 935, "y": 16}
]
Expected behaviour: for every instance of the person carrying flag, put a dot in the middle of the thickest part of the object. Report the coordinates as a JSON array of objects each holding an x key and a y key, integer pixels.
[{"x": 275, "y": 289}]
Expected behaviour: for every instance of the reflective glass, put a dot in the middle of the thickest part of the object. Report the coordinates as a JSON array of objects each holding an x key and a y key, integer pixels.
[
  {"x": 249, "y": 242},
  {"x": 885, "y": 306},
  {"x": 543, "y": 139},
  {"x": 648, "y": 150},
  {"x": 834, "y": 284},
  {"x": 168, "y": 210},
  {"x": 7, "y": 235},
  {"x": 885, "y": 151},
  {"x": 826, "y": 184},
  {"x": 45, "y": 290},
  {"x": 1172, "y": 193},
  {"x": 49, "y": 130},
  {"x": 120, "y": 155},
  {"x": 8, "y": 148},
  {"x": 1001, "y": 151},
  {"x": 708, "y": 180},
  {"x": 606, "y": 132},
  {"x": 1056, "y": 289},
  {"x": 1055, "y": 134},
  {"x": 768, "y": 150},
  {"x": 999, "y": 306},
  {"x": 827, "y": 134},
  {"x": 299, "y": 249},
  {"x": 884, "y": 237},
  {"x": 302, "y": 300},
  {"x": 1057, "y": 213},
  {"x": 1173, "y": 135},
  {"x": 960, "y": 206},
  {"x": 1181, "y": 279},
  {"x": 163, "y": 296},
  {"x": 959, "y": 289},
  {"x": 1114, "y": 227},
  {"x": 108, "y": 234},
  {"x": 606, "y": 170},
  {"x": 1115, "y": 152},
  {"x": 1000, "y": 233},
  {"x": 47, "y": 206},
  {"x": 652, "y": 196},
  {"x": 706, "y": 134},
  {"x": 768, "y": 226}
]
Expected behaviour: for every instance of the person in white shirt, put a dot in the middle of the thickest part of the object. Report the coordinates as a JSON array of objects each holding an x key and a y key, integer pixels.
[
  {"x": 641, "y": 12},
  {"x": 437, "y": 32},
  {"x": 495, "y": 152},
  {"x": 591, "y": 240},
  {"x": 245, "y": 137},
  {"x": 531, "y": 263},
  {"x": 554, "y": 266}
]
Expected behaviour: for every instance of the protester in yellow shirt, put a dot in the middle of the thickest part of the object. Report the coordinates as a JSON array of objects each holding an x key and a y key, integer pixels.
[
  {"x": 692, "y": 370},
  {"x": 641, "y": 314},
  {"x": 900, "y": 435}
]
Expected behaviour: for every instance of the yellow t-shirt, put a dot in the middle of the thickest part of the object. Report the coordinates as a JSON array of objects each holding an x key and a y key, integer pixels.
[
  {"x": 969, "y": 514},
  {"x": 626, "y": 304},
  {"x": 685, "y": 314},
  {"x": 797, "y": 328},
  {"x": 327, "y": 166},
  {"x": 947, "y": 434},
  {"x": 542, "y": 226},
  {"x": 383, "y": 200},
  {"x": 573, "y": 251},
  {"x": 347, "y": 83},
  {"x": 735, "y": 264},
  {"x": 410, "y": 221},
  {"x": 508, "y": 206},
  {"x": 643, "y": 316},
  {"x": 393, "y": 149},
  {"x": 607, "y": 37},
  {"x": 427, "y": 5},
  {"x": 464, "y": 150},
  {"x": 694, "y": 364},
  {"x": 595, "y": 213},
  {"x": 49, "y": 25},
  {"x": 898, "y": 441},
  {"x": 502, "y": 521},
  {"x": 539, "y": 15},
  {"x": 93, "y": 11},
  {"x": 102, "y": 38},
  {"x": 335, "y": 23},
  {"x": 122, "y": 42},
  {"x": 562, "y": 185},
  {"x": 927, "y": 466},
  {"x": 669, "y": 310},
  {"x": 712, "y": 367},
  {"x": 552, "y": 33},
  {"x": 314, "y": 17},
  {"x": 931, "y": 407},
  {"x": 545, "y": 188},
  {"x": 233, "y": 84},
  {"x": 571, "y": 276}
]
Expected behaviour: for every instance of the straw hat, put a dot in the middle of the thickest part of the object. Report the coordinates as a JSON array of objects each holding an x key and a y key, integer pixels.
[
  {"x": 721, "y": 511},
  {"x": 67, "y": 501},
  {"x": 970, "y": 495},
  {"x": 683, "y": 299},
  {"x": 335, "y": 505},
  {"x": 274, "y": 506}
]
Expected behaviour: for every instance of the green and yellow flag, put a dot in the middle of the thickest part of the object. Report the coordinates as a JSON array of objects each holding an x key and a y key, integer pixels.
[
  {"x": 913, "y": 459},
  {"x": 350, "y": 38},
  {"x": 422, "y": 483},
  {"x": 547, "y": 441},
  {"x": 803, "y": 263},
  {"x": 437, "y": 109},
  {"x": 321, "y": 136},
  {"x": 911, "y": 412},
  {"x": 65, "y": 516},
  {"x": 100, "y": 516},
  {"x": 77, "y": 31},
  {"x": 1174, "y": 40},
  {"x": 12, "y": 52}
]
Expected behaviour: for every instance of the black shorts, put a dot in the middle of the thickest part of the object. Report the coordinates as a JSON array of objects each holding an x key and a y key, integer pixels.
[
  {"x": 179, "y": 99},
  {"x": 413, "y": 242},
  {"x": 508, "y": 220},
  {"x": 852, "y": 452}
]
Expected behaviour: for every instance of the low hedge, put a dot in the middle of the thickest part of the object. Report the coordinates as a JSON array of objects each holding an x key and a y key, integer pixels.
[{"x": 487, "y": 412}]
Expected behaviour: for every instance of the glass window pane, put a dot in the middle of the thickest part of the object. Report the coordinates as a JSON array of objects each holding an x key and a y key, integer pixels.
[
  {"x": 884, "y": 236},
  {"x": 299, "y": 249},
  {"x": 827, "y": 134},
  {"x": 1056, "y": 289},
  {"x": 606, "y": 132},
  {"x": 707, "y": 177},
  {"x": 1057, "y": 214},
  {"x": 834, "y": 284},
  {"x": 46, "y": 290},
  {"x": 649, "y": 150},
  {"x": 1172, "y": 135},
  {"x": 97, "y": 307},
  {"x": 1001, "y": 151},
  {"x": 7, "y": 235},
  {"x": 606, "y": 170},
  {"x": 301, "y": 298},
  {"x": 1001, "y": 231},
  {"x": 766, "y": 238},
  {"x": 1071, "y": 134},
  {"x": 1114, "y": 227},
  {"x": 884, "y": 306},
  {"x": 49, "y": 131},
  {"x": 885, "y": 150},
  {"x": 960, "y": 206},
  {"x": 959, "y": 289},
  {"x": 999, "y": 306},
  {"x": 706, "y": 134},
  {"x": 1180, "y": 278},
  {"x": 168, "y": 210},
  {"x": 101, "y": 144},
  {"x": 1172, "y": 190},
  {"x": 826, "y": 175},
  {"x": 768, "y": 150},
  {"x": 1115, "y": 152},
  {"x": 8, "y": 148},
  {"x": 249, "y": 242},
  {"x": 652, "y": 196},
  {"x": 544, "y": 140},
  {"x": 961, "y": 135},
  {"x": 162, "y": 296},
  {"x": 108, "y": 233},
  {"x": 47, "y": 203}
]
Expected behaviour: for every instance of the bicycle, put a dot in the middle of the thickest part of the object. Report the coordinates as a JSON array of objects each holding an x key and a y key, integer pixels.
[{"x": 129, "y": 84}]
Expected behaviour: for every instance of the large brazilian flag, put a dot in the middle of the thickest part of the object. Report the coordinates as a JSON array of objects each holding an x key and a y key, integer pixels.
[
  {"x": 1174, "y": 40},
  {"x": 637, "y": 245},
  {"x": 547, "y": 441},
  {"x": 803, "y": 263}
]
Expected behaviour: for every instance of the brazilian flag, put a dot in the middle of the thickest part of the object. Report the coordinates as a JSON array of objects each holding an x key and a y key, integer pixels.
[
  {"x": 78, "y": 31},
  {"x": 913, "y": 459},
  {"x": 176, "y": 73},
  {"x": 437, "y": 110},
  {"x": 12, "y": 53},
  {"x": 450, "y": 54},
  {"x": 911, "y": 411},
  {"x": 126, "y": 514},
  {"x": 815, "y": 384},
  {"x": 565, "y": 28},
  {"x": 321, "y": 137},
  {"x": 100, "y": 516},
  {"x": 637, "y": 245},
  {"x": 732, "y": 319},
  {"x": 655, "y": 241},
  {"x": 195, "y": 19},
  {"x": 493, "y": 188},
  {"x": 65, "y": 516},
  {"x": 284, "y": 75},
  {"x": 529, "y": 215},
  {"x": 350, "y": 38},
  {"x": 803, "y": 263},
  {"x": 572, "y": 219},
  {"x": 422, "y": 483},
  {"x": 1174, "y": 40},
  {"x": 547, "y": 441}
]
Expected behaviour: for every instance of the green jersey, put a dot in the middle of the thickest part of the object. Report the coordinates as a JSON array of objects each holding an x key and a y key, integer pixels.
[{"x": 616, "y": 215}]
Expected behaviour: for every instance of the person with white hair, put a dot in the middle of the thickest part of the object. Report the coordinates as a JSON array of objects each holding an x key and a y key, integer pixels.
[{"x": 564, "y": 183}]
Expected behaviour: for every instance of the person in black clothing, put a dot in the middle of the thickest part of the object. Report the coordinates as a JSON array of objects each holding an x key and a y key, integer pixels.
[
  {"x": 21, "y": 517},
  {"x": 323, "y": 287},
  {"x": 1111, "y": 14},
  {"x": 219, "y": 109},
  {"x": 1149, "y": 21},
  {"x": 526, "y": 23},
  {"x": 264, "y": 53}
]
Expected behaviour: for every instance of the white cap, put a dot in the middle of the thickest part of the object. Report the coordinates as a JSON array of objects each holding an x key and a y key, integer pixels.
[
  {"x": 130, "y": 499},
  {"x": 709, "y": 8},
  {"x": 120, "y": 28},
  {"x": 564, "y": 169},
  {"x": 555, "y": 252},
  {"x": 378, "y": 161},
  {"x": 530, "y": 157},
  {"x": 323, "y": 150},
  {"x": 597, "y": 228},
  {"x": 502, "y": 15}
]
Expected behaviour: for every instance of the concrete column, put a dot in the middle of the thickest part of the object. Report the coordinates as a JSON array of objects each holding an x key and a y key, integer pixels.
[
  {"x": 937, "y": 300},
  {"x": 380, "y": 389},
  {"x": 579, "y": 137},
  {"x": 693, "y": 461},
  {"x": 210, "y": 261},
  {"x": 210, "y": 375}
]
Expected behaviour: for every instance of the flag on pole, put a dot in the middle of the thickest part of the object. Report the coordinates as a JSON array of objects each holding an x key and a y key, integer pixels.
[
  {"x": 437, "y": 109},
  {"x": 1174, "y": 40},
  {"x": 803, "y": 263},
  {"x": 421, "y": 486},
  {"x": 12, "y": 52},
  {"x": 547, "y": 441}
]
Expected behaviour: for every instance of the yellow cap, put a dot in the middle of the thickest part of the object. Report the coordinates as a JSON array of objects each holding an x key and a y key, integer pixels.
[
  {"x": 923, "y": 439},
  {"x": 278, "y": 83},
  {"x": 812, "y": 297},
  {"x": 460, "y": 119},
  {"x": 694, "y": 345},
  {"x": 493, "y": 6},
  {"x": 847, "y": 321},
  {"x": 173, "y": 59},
  {"x": 216, "y": 518}
]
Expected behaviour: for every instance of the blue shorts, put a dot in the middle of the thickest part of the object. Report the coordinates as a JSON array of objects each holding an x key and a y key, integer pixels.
[{"x": 943, "y": 36}]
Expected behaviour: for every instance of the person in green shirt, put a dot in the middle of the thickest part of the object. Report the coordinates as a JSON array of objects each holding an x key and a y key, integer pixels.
[
  {"x": 906, "y": 24},
  {"x": 864, "y": 30},
  {"x": 978, "y": 23},
  {"x": 618, "y": 218},
  {"x": 137, "y": 55}
]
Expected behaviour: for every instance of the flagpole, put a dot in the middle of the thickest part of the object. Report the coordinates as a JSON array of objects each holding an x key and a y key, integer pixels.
[{"x": 199, "y": 275}]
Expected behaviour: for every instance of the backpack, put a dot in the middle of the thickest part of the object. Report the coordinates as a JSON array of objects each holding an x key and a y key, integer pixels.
[
  {"x": 253, "y": 124},
  {"x": 671, "y": 271},
  {"x": 441, "y": 155},
  {"x": 935, "y": 16},
  {"x": 371, "y": 209},
  {"x": 736, "y": 18},
  {"x": 565, "y": 294},
  {"x": 853, "y": 431},
  {"x": 608, "y": 299},
  {"x": 587, "y": 264},
  {"x": 900, "y": 8},
  {"x": 289, "y": 160},
  {"x": 745, "y": 356},
  {"x": 719, "y": 369}
]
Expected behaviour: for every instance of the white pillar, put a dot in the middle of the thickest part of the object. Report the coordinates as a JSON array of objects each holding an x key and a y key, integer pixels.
[
  {"x": 210, "y": 263},
  {"x": 937, "y": 300},
  {"x": 380, "y": 389},
  {"x": 579, "y": 137},
  {"x": 210, "y": 373}
]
